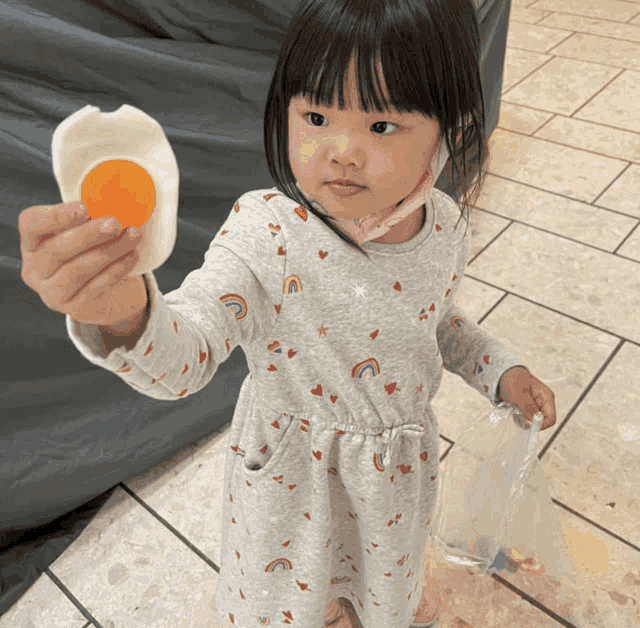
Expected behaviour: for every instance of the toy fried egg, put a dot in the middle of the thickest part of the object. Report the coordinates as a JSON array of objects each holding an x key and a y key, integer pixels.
[{"x": 121, "y": 164}]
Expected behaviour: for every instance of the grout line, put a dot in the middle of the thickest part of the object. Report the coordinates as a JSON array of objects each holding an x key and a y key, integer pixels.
[
  {"x": 545, "y": 52},
  {"x": 506, "y": 91},
  {"x": 533, "y": 601},
  {"x": 569, "y": 198},
  {"x": 564, "y": 237},
  {"x": 91, "y": 619},
  {"x": 167, "y": 525},
  {"x": 493, "y": 307},
  {"x": 540, "y": 19},
  {"x": 597, "y": 198},
  {"x": 551, "y": 12},
  {"x": 563, "y": 144},
  {"x": 623, "y": 242},
  {"x": 550, "y": 309},
  {"x": 555, "y": 233},
  {"x": 488, "y": 244},
  {"x": 451, "y": 444},
  {"x": 518, "y": 296},
  {"x": 596, "y": 525},
  {"x": 622, "y": 70},
  {"x": 584, "y": 393},
  {"x": 605, "y": 86},
  {"x": 545, "y": 123},
  {"x": 549, "y": 50}
]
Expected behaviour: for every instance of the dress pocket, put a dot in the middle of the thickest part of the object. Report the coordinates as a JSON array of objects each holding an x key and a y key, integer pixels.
[{"x": 264, "y": 441}]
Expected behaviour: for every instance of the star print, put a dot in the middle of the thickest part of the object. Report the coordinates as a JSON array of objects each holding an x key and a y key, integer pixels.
[
  {"x": 322, "y": 330},
  {"x": 359, "y": 291}
]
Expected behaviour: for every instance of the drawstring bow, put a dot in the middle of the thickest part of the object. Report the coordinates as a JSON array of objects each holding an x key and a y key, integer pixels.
[{"x": 390, "y": 434}]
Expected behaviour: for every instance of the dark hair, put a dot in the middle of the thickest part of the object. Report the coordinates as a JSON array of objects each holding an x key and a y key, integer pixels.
[{"x": 429, "y": 52}]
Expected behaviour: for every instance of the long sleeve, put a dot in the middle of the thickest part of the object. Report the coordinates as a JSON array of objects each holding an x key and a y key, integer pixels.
[
  {"x": 233, "y": 299},
  {"x": 466, "y": 349}
]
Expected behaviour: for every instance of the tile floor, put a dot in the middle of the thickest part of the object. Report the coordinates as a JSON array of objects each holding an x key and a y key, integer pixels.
[{"x": 554, "y": 274}]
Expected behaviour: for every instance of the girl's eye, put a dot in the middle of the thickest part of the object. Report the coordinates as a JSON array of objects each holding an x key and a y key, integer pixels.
[
  {"x": 376, "y": 124},
  {"x": 317, "y": 115}
]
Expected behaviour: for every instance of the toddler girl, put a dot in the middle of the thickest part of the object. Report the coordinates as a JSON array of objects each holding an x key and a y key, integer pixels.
[{"x": 343, "y": 298}]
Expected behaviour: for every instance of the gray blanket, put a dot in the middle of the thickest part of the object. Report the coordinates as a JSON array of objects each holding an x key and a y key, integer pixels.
[{"x": 69, "y": 431}]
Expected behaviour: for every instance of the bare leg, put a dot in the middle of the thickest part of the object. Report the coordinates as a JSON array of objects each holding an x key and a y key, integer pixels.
[
  {"x": 428, "y": 607},
  {"x": 339, "y": 614},
  {"x": 429, "y": 600}
]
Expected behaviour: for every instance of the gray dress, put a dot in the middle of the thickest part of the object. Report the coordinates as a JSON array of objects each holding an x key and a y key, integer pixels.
[{"x": 331, "y": 474}]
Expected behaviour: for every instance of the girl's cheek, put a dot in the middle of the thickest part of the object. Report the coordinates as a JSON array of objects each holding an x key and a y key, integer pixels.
[
  {"x": 307, "y": 150},
  {"x": 380, "y": 165}
]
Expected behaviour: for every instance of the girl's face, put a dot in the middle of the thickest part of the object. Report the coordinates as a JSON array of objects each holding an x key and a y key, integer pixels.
[{"x": 387, "y": 153}]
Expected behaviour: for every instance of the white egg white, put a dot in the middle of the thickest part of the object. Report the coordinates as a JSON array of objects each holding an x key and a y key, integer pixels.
[{"x": 89, "y": 137}]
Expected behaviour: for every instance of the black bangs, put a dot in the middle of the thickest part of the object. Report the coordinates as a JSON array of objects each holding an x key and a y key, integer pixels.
[{"x": 374, "y": 35}]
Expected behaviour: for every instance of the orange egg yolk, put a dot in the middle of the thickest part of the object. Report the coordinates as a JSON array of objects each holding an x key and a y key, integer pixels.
[{"x": 119, "y": 188}]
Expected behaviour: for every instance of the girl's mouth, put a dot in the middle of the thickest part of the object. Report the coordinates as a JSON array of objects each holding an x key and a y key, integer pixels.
[{"x": 344, "y": 190}]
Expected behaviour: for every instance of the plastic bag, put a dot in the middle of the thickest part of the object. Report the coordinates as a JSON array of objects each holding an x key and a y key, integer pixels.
[
  {"x": 494, "y": 517},
  {"x": 499, "y": 513}
]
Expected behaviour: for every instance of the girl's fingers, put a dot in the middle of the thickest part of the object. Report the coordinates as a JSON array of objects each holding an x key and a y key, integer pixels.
[{"x": 39, "y": 223}]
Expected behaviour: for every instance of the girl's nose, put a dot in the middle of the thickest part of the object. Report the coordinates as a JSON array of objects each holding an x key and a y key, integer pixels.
[{"x": 345, "y": 150}]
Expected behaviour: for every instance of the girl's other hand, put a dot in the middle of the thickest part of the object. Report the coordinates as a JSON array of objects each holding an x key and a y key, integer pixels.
[{"x": 519, "y": 387}]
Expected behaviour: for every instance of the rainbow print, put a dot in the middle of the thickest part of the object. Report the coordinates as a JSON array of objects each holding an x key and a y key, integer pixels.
[
  {"x": 280, "y": 564},
  {"x": 378, "y": 462},
  {"x": 292, "y": 284},
  {"x": 365, "y": 369},
  {"x": 235, "y": 302}
]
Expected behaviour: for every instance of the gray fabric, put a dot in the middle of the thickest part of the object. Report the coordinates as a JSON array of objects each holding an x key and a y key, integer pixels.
[
  {"x": 71, "y": 431},
  {"x": 333, "y": 435}
]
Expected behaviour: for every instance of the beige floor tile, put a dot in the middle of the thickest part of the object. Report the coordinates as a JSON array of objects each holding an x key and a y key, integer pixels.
[
  {"x": 484, "y": 228},
  {"x": 618, "y": 53},
  {"x": 594, "y": 461},
  {"x": 444, "y": 447},
  {"x": 518, "y": 64},
  {"x": 624, "y": 193},
  {"x": 543, "y": 340},
  {"x": 576, "y": 280},
  {"x": 598, "y": 138},
  {"x": 521, "y": 119},
  {"x": 527, "y": 16},
  {"x": 536, "y": 38},
  {"x": 482, "y": 602},
  {"x": 617, "y": 103},
  {"x": 187, "y": 491},
  {"x": 605, "y": 593},
  {"x": 44, "y": 604},
  {"x": 613, "y": 10},
  {"x": 129, "y": 570},
  {"x": 549, "y": 166},
  {"x": 591, "y": 25},
  {"x": 631, "y": 248},
  {"x": 592, "y": 467},
  {"x": 572, "y": 219},
  {"x": 561, "y": 86},
  {"x": 602, "y": 594}
]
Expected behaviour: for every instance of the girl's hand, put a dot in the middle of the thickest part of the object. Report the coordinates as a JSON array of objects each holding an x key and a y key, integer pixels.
[
  {"x": 77, "y": 268},
  {"x": 519, "y": 387}
]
